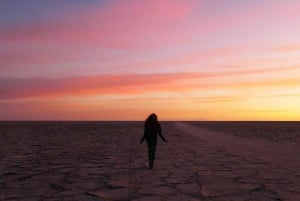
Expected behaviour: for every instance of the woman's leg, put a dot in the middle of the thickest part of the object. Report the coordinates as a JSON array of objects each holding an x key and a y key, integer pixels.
[
  {"x": 149, "y": 153},
  {"x": 152, "y": 153}
]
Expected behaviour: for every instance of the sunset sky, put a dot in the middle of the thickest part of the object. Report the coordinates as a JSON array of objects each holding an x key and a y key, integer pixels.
[{"x": 124, "y": 59}]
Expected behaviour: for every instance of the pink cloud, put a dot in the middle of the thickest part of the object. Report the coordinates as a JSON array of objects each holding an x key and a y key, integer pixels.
[
  {"x": 185, "y": 59},
  {"x": 17, "y": 58},
  {"x": 259, "y": 15},
  {"x": 122, "y": 24},
  {"x": 146, "y": 24},
  {"x": 239, "y": 59}
]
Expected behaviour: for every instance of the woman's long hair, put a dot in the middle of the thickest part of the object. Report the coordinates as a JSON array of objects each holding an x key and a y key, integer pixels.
[{"x": 151, "y": 121}]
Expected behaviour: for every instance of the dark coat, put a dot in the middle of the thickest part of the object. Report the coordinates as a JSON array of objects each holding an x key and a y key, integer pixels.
[{"x": 150, "y": 133}]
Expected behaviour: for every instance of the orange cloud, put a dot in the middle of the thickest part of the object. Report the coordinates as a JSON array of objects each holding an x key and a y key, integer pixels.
[
  {"x": 289, "y": 48},
  {"x": 85, "y": 85},
  {"x": 138, "y": 83}
]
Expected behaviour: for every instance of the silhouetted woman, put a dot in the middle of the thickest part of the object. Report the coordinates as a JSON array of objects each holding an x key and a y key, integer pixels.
[{"x": 152, "y": 128}]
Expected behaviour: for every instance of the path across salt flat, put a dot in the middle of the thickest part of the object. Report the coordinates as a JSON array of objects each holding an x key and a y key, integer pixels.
[
  {"x": 280, "y": 154},
  {"x": 89, "y": 161}
]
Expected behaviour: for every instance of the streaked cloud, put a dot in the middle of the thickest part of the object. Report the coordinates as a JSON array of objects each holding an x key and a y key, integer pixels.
[
  {"x": 139, "y": 83},
  {"x": 183, "y": 59},
  {"x": 122, "y": 24}
]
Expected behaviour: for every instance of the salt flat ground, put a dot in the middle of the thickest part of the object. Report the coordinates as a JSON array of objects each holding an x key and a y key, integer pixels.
[{"x": 96, "y": 161}]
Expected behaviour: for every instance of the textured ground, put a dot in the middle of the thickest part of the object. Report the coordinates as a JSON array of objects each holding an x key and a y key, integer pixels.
[
  {"x": 104, "y": 161},
  {"x": 269, "y": 131}
]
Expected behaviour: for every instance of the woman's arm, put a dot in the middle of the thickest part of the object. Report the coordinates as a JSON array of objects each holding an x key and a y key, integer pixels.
[
  {"x": 160, "y": 134},
  {"x": 142, "y": 140}
]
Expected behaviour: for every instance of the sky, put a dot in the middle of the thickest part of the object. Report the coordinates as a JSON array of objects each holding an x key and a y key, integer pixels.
[{"x": 124, "y": 59}]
